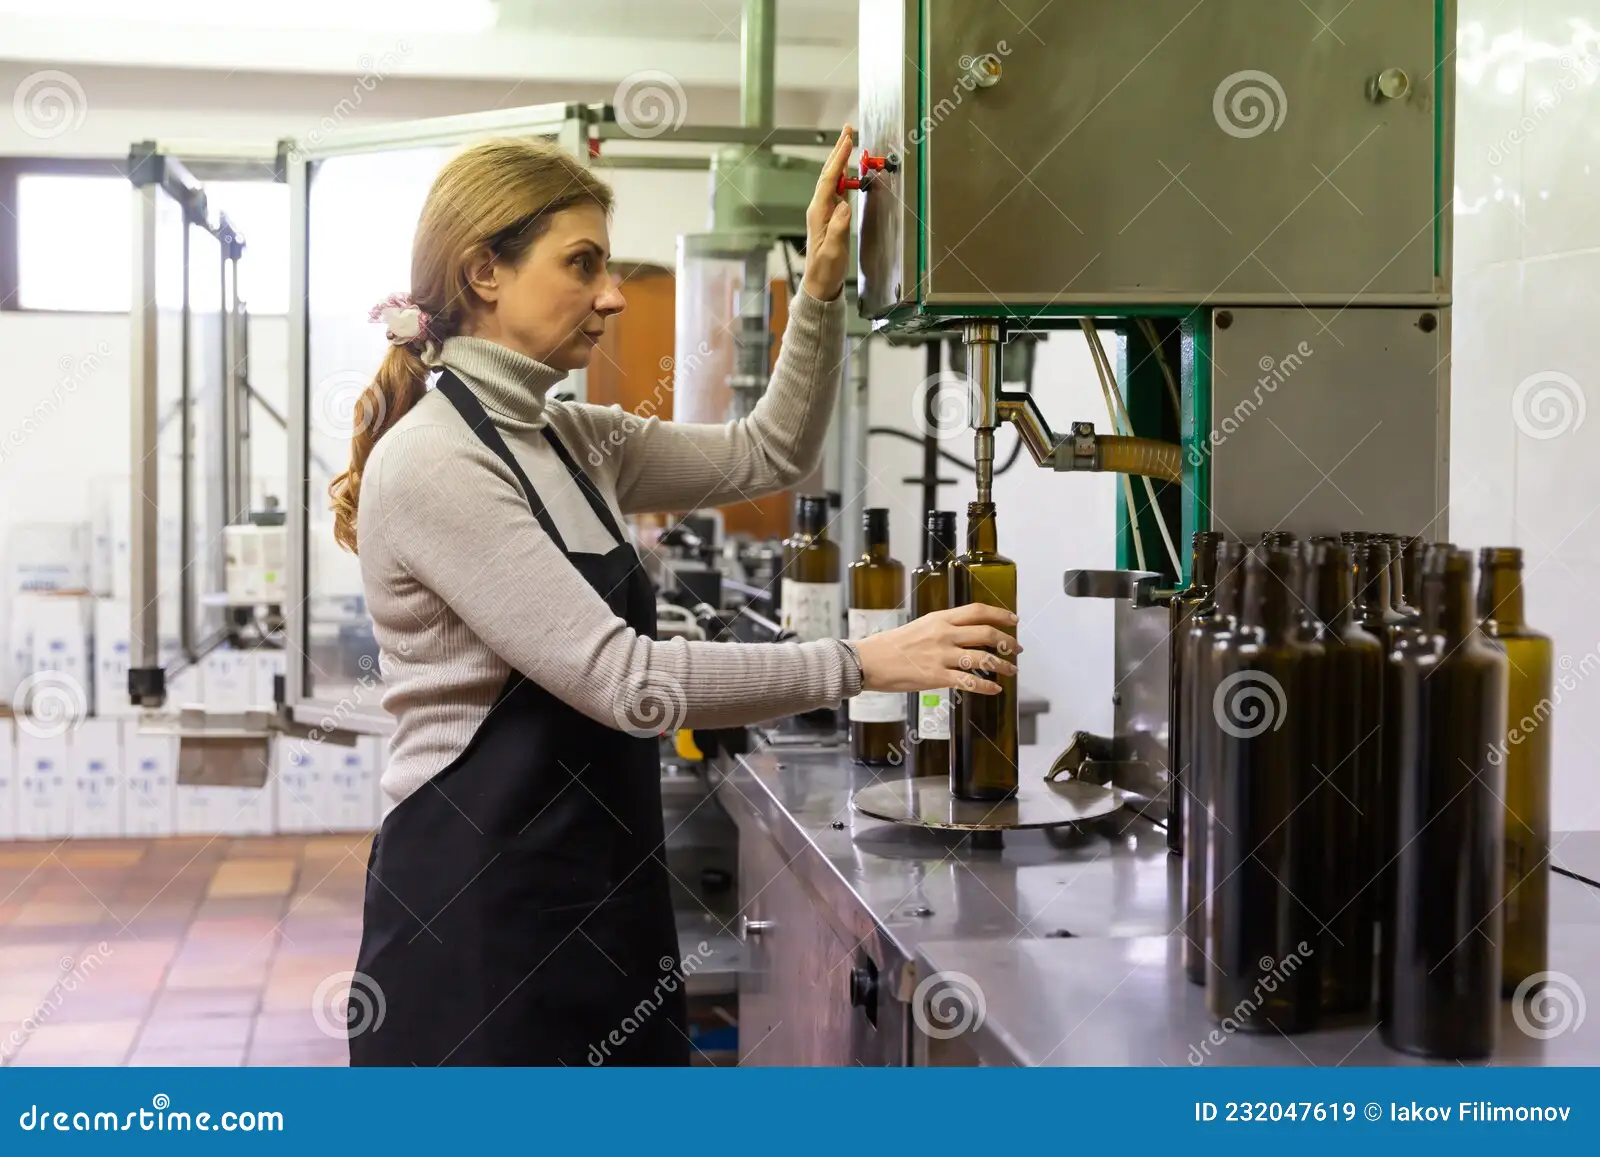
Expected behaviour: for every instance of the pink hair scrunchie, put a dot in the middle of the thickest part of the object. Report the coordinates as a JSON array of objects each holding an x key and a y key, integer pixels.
[{"x": 404, "y": 323}]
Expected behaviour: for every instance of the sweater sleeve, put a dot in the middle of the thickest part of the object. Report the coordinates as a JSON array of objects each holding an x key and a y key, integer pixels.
[
  {"x": 670, "y": 466},
  {"x": 461, "y": 527}
]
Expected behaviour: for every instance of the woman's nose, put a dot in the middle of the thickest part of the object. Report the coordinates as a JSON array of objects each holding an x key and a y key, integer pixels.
[{"x": 611, "y": 300}]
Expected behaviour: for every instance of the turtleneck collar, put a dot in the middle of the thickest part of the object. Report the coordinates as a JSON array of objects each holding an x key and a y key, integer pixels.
[{"x": 512, "y": 385}]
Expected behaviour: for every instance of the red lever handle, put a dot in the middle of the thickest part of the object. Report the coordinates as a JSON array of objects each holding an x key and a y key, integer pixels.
[{"x": 847, "y": 183}]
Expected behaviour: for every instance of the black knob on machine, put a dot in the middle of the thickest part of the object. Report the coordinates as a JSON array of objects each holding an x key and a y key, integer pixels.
[{"x": 863, "y": 987}]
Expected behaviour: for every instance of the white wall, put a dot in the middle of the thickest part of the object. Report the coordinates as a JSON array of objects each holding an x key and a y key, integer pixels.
[{"x": 1525, "y": 471}]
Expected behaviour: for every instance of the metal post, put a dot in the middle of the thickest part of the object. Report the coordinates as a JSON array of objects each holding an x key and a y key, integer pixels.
[
  {"x": 983, "y": 379},
  {"x": 752, "y": 338},
  {"x": 853, "y": 459},
  {"x": 759, "y": 36},
  {"x": 144, "y": 629}
]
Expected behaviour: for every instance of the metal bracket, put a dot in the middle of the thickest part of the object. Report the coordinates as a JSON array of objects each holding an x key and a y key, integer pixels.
[{"x": 1137, "y": 587}]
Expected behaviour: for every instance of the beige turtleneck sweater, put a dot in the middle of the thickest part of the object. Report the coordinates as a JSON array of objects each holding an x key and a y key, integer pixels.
[{"x": 464, "y": 586}]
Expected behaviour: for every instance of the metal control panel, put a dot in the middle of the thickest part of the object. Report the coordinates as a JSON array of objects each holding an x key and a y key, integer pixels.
[{"x": 1133, "y": 153}]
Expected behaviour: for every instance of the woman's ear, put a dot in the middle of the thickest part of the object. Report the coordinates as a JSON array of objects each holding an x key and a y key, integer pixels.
[{"x": 483, "y": 275}]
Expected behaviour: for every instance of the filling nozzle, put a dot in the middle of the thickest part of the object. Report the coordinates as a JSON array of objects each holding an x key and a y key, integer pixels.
[{"x": 982, "y": 340}]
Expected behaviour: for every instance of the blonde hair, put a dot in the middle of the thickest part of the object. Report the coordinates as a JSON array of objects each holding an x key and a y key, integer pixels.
[{"x": 492, "y": 201}]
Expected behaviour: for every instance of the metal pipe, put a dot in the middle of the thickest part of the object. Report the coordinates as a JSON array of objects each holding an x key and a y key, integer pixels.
[
  {"x": 759, "y": 36},
  {"x": 853, "y": 461},
  {"x": 1023, "y": 413},
  {"x": 930, "y": 437},
  {"x": 983, "y": 380},
  {"x": 752, "y": 339}
]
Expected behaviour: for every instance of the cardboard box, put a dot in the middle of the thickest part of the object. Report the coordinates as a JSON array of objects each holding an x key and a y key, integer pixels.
[
  {"x": 19, "y": 644},
  {"x": 297, "y": 782},
  {"x": 224, "y": 811},
  {"x": 228, "y": 680},
  {"x": 44, "y": 786},
  {"x": 97, "y": 779},
  {"x": 61, "y": 679},
  {"x": 150, "y": 769},
  {"x": 352, "y": 794},
  {"x": 48, "y": 556},
  {"x": 8, "y": 781},
  {"x": 112, "y": 627}
]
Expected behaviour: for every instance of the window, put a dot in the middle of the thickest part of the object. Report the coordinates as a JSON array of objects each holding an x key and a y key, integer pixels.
[
  {"x": 260, "y": 211},
  {"x": 74, "y": 243},
  {"x": 73, "y": 239}
]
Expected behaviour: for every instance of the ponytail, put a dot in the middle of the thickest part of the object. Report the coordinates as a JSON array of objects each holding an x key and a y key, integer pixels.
[{"x": 399, "y": 384}]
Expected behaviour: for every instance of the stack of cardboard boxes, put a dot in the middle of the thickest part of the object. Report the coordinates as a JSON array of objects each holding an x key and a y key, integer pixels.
[{"x": 73, "y": 760}]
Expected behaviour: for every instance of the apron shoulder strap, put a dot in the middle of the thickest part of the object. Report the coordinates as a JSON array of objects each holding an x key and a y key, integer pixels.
[
  {"x": 477, "y": 419},
  {"x": 586, "y": 484}
]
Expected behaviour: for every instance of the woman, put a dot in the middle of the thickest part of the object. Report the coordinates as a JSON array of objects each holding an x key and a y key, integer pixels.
[{"x": 517, "y": 906}]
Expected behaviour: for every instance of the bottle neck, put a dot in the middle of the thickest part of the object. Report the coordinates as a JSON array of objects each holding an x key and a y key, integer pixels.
[
  {"x": 981, "y": 535},
  {"x": 1500, "y": 594},
  {"x": 813, "y": 519},
  {"x": 937, "y": 549},
  {"x": 1203, "y": 564},
  {"x": 1373, "y": 582},
  {"x": 1269, "y": 597},
  {"x": 1333, "y": 592},
  {"x": 1450, "y": 611}
]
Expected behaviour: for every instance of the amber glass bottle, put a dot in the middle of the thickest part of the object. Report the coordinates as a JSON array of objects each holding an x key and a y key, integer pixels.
[
  {"x": 1185, "y": 605},
  {"x": 877, "y": 603},
  {"x": 930, "y": 591},
  {"x": 1444, "y": 714},
  {"x": 1265, "y": 843},
  {"x": 809, "y": 594},
  {"x": 1347, "y": 794},
  {"x": 984, "y": 764},
  {"x": 1525, "y": 752},
  {"x": 1209, "y": 641}
]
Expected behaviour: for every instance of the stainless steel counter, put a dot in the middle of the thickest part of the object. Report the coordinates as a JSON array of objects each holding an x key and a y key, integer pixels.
[
  {"x": 1127, "y": 1002},
  {"x": 846, "y": 922}
]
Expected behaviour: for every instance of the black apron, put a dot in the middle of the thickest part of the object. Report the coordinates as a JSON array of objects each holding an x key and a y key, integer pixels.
[{"x": 518, "y": 908}]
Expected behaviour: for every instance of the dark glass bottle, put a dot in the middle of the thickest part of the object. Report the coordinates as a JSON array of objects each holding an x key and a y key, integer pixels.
[
  {"x": 930, "y": 591},
  {"x": 1525, "y": 752},
  {"x": 1347, "y": 768},
  {"x": 1209, "y": 641},
  {"x": 984, "y": 763},
  {"x": 1444, "y": 712},
  {"x": 809, "y": 595},
  {"x": 1265, "y": 843},
  {"x": 1373, "y": 600},
  {"x": 877, "y": 603},
  {"x": 1416, "y": 553},
  {"x": 1184, "y": 606}
]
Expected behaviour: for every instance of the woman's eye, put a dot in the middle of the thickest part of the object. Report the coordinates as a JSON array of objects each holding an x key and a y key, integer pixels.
[{"x": 585, "y": 262}]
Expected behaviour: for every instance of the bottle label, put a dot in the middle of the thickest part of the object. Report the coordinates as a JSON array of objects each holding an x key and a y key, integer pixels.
[
  {"x": 811, "y": 610},
  {"x": 933, "y": 714},
  {"x": 876, "y": 706}
]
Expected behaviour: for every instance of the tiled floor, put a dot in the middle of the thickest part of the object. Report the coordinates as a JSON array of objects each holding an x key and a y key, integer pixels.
[{"x": 178, "y": 952}]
